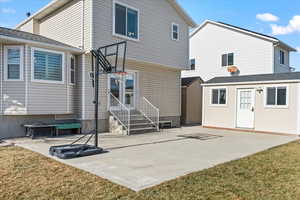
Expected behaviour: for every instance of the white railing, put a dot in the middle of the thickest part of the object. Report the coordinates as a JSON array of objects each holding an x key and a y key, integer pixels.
[
  {"x": 149, "y": 111},
  {"x": 120, "y": 112}
]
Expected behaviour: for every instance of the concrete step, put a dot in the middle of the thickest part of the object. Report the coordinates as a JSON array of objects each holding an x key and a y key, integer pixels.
[
  {"x": 142, "y": 130},
  {"x": 141, "y": 125},
  {"x": 137, "y": 117}
]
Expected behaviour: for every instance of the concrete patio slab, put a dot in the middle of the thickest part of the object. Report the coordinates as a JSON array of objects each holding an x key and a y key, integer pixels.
[{"x": 143, "y": 161}]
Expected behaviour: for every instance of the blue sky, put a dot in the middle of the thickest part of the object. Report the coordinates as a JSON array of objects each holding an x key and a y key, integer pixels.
[{"x": 280, "y": 18}]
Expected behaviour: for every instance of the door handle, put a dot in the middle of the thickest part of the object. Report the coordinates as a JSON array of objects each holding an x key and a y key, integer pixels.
[{"x": 252, "y": 109}]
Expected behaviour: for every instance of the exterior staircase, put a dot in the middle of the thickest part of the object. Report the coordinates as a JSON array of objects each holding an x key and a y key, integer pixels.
[{"x": 124, "y": 121}]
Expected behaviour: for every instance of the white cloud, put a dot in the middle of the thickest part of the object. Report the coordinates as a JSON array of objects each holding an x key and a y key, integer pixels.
[
  {"x": 267, "y": 17},
  {"x": 8, "y": 10},
  {"x": 298, "y": 49},
  {"x": 292, "y": 27}
]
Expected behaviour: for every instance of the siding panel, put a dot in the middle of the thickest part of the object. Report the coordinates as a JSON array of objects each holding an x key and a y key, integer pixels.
[
  {"x": 155, "y": 45},
  {"x": 252, "y": 55},
  {"x": 65, "y": 24},
  {"x": 48, "y": 98},
  {"x": 14, "y": 95},
  {"x": 278, "y": 67},
  {"x": 159, "y": 85}
]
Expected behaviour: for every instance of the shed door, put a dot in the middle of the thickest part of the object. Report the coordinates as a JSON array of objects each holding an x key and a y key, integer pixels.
[{"x": 245, "y": 108}]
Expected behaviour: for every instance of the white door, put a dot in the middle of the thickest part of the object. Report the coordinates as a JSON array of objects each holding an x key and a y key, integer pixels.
[
  {"x": 245, "y": 108},
  {"x": 130, "y": 90},
  {"x": 124, "y": 89}
]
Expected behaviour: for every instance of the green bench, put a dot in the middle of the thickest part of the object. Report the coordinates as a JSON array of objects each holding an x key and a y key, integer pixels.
[{"x": 67, "y": 126}]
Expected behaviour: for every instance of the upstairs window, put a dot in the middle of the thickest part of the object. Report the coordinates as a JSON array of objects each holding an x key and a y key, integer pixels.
[
  {"x": 175, "y": 31},
  {"x": 227, "y": 60},
  {"x": 193, "y": 64},
  {"x": 276, "y": 96},
  {"x": 72, "y": 71},
  {"x": 13, "y": 63},
  {"x": 48, "y": 66},
  {"x": 218, "y": 96},
  {"x": 126, "y": 21},
  {"x": 282, "y": 57}
]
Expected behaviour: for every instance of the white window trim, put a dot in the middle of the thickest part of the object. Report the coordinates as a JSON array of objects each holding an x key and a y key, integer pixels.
[
  {"x": 114, "y": 21},
  {"x": 47, "y": 81},
  {"x": 70, "y": 71},
  {"x": 172, "y": 31},
  {"x": 21, "y": 48},
  {"x": 276, "y": 106},
  {"x": 210, "y": 99},
  {"x": 136, "y": 102}
]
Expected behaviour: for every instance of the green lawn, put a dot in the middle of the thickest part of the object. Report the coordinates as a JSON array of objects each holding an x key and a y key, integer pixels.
[{"x": 270, "y": 175}]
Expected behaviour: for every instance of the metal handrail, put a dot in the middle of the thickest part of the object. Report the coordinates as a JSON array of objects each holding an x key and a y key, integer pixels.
[
  {"x": 150, "y": 111},
  {"x": 122, "y": 113}
]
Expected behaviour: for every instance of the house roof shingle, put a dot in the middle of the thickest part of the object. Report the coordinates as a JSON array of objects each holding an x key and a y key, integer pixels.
[
  {"x": 16, "y": 34},
  {"x": 256, "y": 78}
]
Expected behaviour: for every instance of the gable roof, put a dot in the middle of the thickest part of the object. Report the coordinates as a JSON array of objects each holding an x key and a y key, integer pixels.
[
  {"x": 245, "y": 31},
  {"x": 290, "y": 76},
  {"x": 186, "y": 82},
  {"x": 25, "y": 37},
  {"x": 55, "y": 4}
]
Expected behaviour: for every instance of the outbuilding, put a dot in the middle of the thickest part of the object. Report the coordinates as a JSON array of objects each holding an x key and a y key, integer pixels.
[
  {"x": 266, "y": 103},
  {"x": 191, "y": 101}
]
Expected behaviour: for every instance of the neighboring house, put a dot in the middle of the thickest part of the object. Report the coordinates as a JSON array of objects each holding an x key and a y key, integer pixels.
[
  {"x": 215, "y": 46},
  {"x": 257, "y": 103},
  {"x": 191, "y": 101},
  {"x": 157, "y": 33}
]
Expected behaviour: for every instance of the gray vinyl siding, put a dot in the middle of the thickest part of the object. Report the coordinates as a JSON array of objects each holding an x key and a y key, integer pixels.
[
  {"x": 156, "y": 44},
  {"x": 1, "y": 78},
  {"x": 159, "y": 85},
  {"x": 78, "y": 88},
  {"x": 65, "y": 24},
  {"x": 27, "y": 27},
  {"x": 49, "y": 98},
  {"x": 278, "y": 68},
  {"x": 13, "y": 95},
  {"x": 89, "y": 93}
]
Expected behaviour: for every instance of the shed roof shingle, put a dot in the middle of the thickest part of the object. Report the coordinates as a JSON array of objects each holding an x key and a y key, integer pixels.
[
  {"x": 256, "y": 78},
  {"x": 188, "y": 81}
]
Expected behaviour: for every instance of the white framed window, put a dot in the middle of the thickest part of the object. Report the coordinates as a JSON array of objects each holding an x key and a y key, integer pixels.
[
  {"x": 13, "y": 63},
  {"x": 72, "y": 70},
  {"x": 282, "y": 57},
  {"x": 276, "y": 96},
  {"x": 175, "y": 32},
  {"x": 227, "y": 59},
  {"x": 125, "y": 21},
  {"x": 218, "y": 96},
  {"x": 47, "y": 66}
]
